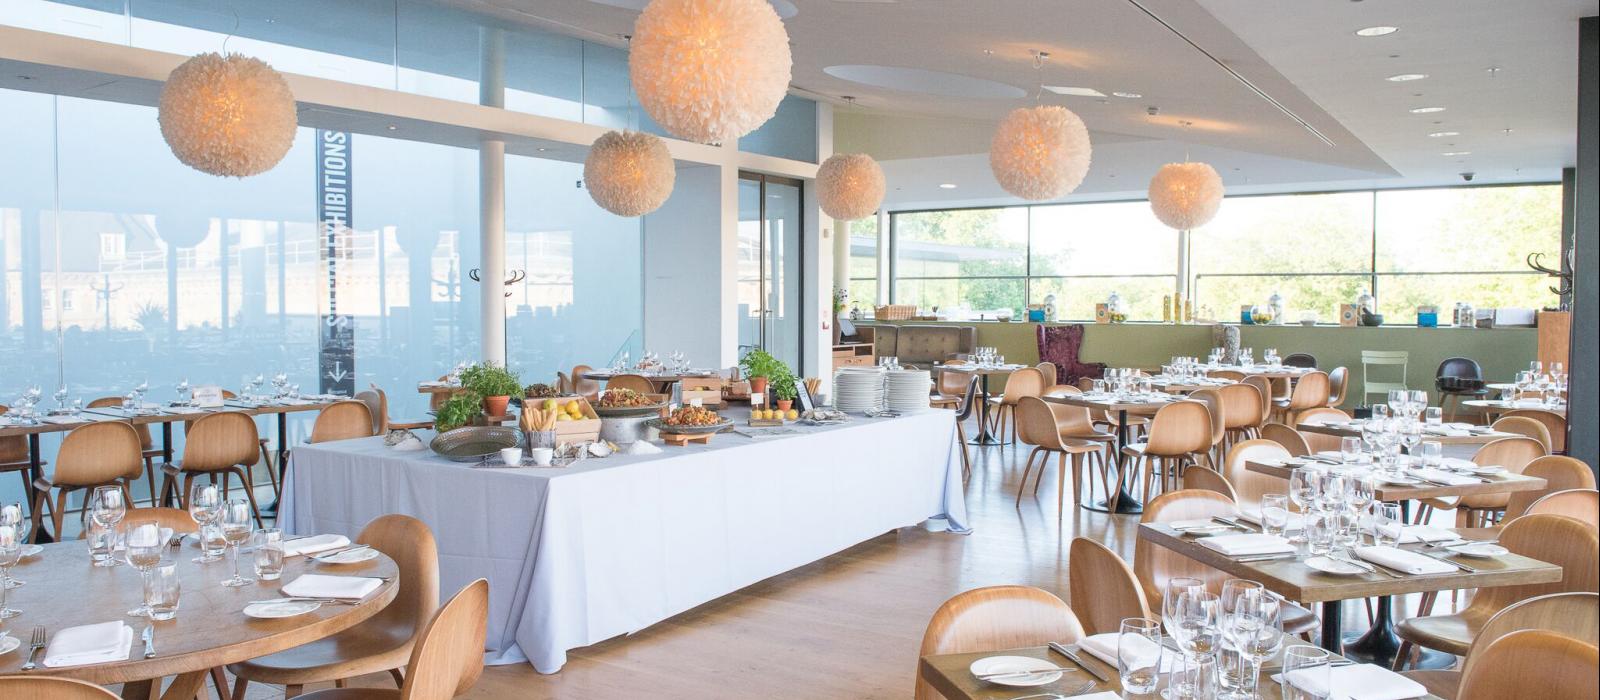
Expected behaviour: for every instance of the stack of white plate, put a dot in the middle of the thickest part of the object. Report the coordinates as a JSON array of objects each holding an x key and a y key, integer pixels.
[
  {"x": 858, "y": 389},
  {"x": 907, "y": 390}
]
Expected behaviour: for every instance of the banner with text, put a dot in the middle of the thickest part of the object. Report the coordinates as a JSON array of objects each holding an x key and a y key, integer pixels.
[{"x": 336, "y": 356}]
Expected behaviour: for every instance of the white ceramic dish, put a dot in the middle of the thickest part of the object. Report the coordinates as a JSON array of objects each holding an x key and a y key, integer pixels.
[
  {"x": 1009, "y": 664},
  {"x": 349, "y": 556},
  {"x": 8, "y": 644},
  {"x": 278, "y": 609},
  {"x": 1486, "y": 471},
  {"x": 1329, "y": 565},
  {"x": 1478, "y": 550}
]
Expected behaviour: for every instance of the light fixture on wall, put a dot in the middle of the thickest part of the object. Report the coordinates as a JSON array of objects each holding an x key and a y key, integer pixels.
[
  {"x": 1185, "y": 196},
  {"x": 710, "y": 70},
  {"x": 1040, "y": 152},
  {"x": 229, "y": 115},
  {"x": 629, "y": 173},
  {"x": 850, "y": 186}
]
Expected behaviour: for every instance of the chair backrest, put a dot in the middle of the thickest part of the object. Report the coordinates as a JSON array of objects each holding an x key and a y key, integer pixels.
[
  {"x": 1581, "y": 504},
  {"x": 1526, "y": 427},
  {"x": 343, "y": 420},
  {"x": 377, "y": 406},
  {"x": 1310, "y": 391},
  {"x": 1290, "y": 438},
  {"x": 1338, "y": 386},
  {"x": 1215, "y": 411},
  {"x": 1513, "y": 453},
  {"x": 581, "y": 385},
  {"x": 98, "y": 453},
  {"x": 1102, "y": 587},
  {"x": 49, "y": 688},
  {"x": 969, "y": 398},
  {"x": 410, "y": 543},
  {"x": 1553, "y": 422},
  {"x": 176, "y": 518},
  {"x": 145, "y": 440},
  {"x": 631, "y": 381},
  {"x": 1036, "y": 423},
  {"x": 954, "y": 383},
  {"x": 13, "y": 448},
  {"x": 220, "y": 440},
  {"x": 1233, "y": 374},
  {"x": 448, "y": 655},
  {"x": 1073, "y": 421},
  {"x": 1560, "y": 473},
  {"x": 1566, "y": 542},
  {"x": 1179, "y": 428},
  {"x": 1264, "y": 386},
  {"x": 1300, "y": 359},
  {"x": 1028, "y": 381},
  {"x": 1533, "y": 664},
  {"x": 1459, "y": 368},
  {"x": 1048, "y": 369},
  {"x": 1382, "y": 358},
  {"x": 1154, "y": 564},
  {"x": 1319, "y": 416},
  {"x": 1249, "y": 486},
  {"x": 1575, "y": 615},
  {"x": 996, "y": 617},
  {"x": 1205, "y": 479},
  {"x": 1241, "y": 405}
]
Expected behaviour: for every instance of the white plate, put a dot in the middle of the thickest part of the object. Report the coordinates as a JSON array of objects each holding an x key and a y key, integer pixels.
[
  {"x": 349, "y": 556},
  {"x": 1478, "y": 550},
  {"x": 32, "y": 549},
  {"x": 1486, "y": 471},
  {"x": 1329, "y": 565},
  {"x": 1398, "y": 480},
  {"x": 276, "y": 609},
  {"x": 1006, "y": 664},
  {"x": 8, "y": 644}
]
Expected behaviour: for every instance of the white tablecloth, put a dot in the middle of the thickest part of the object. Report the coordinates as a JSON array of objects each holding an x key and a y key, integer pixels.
[{"x": 578, "y": 555}]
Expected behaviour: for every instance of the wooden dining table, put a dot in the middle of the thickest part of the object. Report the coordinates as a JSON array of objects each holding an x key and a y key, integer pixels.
[
  {"x": 1125, "y": 503},
  {"x": 211, "y": 630},
  {"x": 1402, "y": 493},
  {"x": 1343, "y": 430},
  {"x": 1494, "y": 407},
  {"x": 981, "y": 373}
]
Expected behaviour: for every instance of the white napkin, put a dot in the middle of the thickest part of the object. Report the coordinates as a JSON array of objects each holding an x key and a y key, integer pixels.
[
  {"x": 1413, "y": 533},
  {"x": 1103, "y": 646},
  {"x": 1247, "y": 544},
  {"x": 1102, "y": 695},
  {"x": 1402, "y": 560},
  {"x": 1445, "y": 477},
  {"x": 186, "y": 410},
  {"x": 90, "y": 644},
  {"x": 1252, "y": 513},
  {"x": 1195, "y": 524},
  {"x": 1362, "y": 682},
  {"x": 640, "y": 447},
  {"x": 64, "y": 420},
  {"x": 324, "y": 586},
  {"x": 1528, "y": 403},
  {"x": 314, "y": 544},
  {"x": 1446, "y": 431}
]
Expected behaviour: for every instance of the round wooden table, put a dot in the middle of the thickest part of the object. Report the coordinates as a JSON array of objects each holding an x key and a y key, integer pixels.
[{"x": 211, "y": 629}]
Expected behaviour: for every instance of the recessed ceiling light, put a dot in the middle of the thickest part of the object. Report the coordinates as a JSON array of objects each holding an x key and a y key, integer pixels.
[
  {"x": 1078, "y": 91},
  {"x": 1442, "y": 134},
  {"x": 1404, "y": 77},
  {"x": 1456, "y": 153},
  {"x": 1127, "y": 95},
  {"x": 1426, "y": 110},
  {"x": 947, "y": 186},
  {"x": 1376, "y": 31}
]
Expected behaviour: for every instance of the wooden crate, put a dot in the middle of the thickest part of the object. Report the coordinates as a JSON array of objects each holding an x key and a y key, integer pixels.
[
  {"x": 585, "y": 430},
  {"x": 707, "y": 389}
]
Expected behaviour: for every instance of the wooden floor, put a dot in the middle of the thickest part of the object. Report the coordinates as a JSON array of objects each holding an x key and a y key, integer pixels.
[{"x": 847, "y": 626}]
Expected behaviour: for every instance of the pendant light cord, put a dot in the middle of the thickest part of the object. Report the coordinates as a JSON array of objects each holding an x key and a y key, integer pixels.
[
  {"x": 1038, "y": 71},
  {"x": 235, "y": 9}
]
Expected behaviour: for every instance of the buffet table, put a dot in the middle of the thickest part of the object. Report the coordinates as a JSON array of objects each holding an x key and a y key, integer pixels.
[{"x": 605, "y": 547}]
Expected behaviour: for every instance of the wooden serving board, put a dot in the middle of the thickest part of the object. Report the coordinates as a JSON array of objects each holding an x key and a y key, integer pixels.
[
  {"x": 766, "y": 423},
  {"x": 682, "y": 440}
]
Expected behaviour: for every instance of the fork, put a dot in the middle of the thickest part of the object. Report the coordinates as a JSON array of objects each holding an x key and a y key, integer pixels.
[
  {"x": 35, "y": 645},
  {"x": 1079, "y": 690}
]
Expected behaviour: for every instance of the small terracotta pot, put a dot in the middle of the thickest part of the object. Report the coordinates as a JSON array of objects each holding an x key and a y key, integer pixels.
[
  {"x": 496, "y": 405},
  {"x": 758, "y": 385},
  {"x": 784, "y": 404}
]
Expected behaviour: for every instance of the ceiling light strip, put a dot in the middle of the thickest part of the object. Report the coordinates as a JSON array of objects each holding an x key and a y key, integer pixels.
[{"x": 1236, "y": 75}]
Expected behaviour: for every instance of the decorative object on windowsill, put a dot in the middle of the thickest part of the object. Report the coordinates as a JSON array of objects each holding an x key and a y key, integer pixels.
[
  {"x": 1049, "y": 308},
  {"x": 1275, "y": 307},
  {"x": 710, "y": 71},
  {"x": 1349, "y": 315},
  {"x": 1036, "y": 313},
  {"x": 629, "y": 173},
  {"x": 1261, "y": 315},
  {"x": 1247, "y": 315},
  {"x": 1427, "y": 317},
  {"x": 227, "y": 115},
  {"x": 1308, "y": 319},
  {"x": 850, "y": 186},
  {"x": 1102, "y": 313},
  {"x": 1365, "y": 301},
  {"x": 1465, "y": 316},
  {"x": 1370, "y": 319},
  {"x": 494, "y": 383},
  {"x": 1116, "y": 312}
]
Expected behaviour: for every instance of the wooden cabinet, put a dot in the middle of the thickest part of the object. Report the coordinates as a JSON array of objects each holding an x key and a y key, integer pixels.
[{"x": 847, "y": 354}]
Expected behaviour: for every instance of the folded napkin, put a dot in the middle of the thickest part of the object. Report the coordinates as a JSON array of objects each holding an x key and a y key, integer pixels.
[
  {"x": 323, "y": 586},
  {"x": 63, "y": 420},
  {"x": 1252, "y": 513},
  {"x": 1412, "y": 534},
  {"x": 1247, "y": 544},
  {"x": 1359, "y": 682},
  {"x": 1446, "y": 431},
  {"x": 1528, "y": 403},
  {"x": 314, "y": 544},
  {"x": 1402, "y": 560},
  {"x": 90, "y": 644},
  {"x": 1444, "y": 477},
  {"x": 1103, "y": 646}
]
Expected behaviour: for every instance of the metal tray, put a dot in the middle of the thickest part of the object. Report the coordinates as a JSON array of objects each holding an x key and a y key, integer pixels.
[
  {"x": 624, "y": 411},
  {"x": 661, "y": 425},
  {"x": 473, "y": 443}
]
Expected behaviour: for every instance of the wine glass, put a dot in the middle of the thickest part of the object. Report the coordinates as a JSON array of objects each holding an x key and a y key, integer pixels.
[
  {"x": 236, "y": 519},
  {"x": 1195, "y": 612},
  {"x": 1307, "y": 673},
  {"x": 106, "y": 506},
  {"x": 1253, "y": 630},
  {"x": 205, "y": 505},
  {"x": 1304, "y": 489},
  {"x": 184, "y": 394},
  {"x": 61, "y": 398},
  {"x": 10, "y": 552},
  {"x": 1172, "y": 605},
  {"x": 11, "y": 516},
  {"x": 143, "y": 544}
]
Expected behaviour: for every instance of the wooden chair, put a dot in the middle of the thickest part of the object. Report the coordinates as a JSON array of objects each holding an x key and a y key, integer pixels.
[
  {"x": 179, "y": 520},
  {"x": 964, "y": 411},
  {"x": 1179, "y": 433},
  {"x": 378, "y": 404},
  {"x": 1513, "y": 453},
  {"x": 447, "y": 659},
  {"x": 1338, "y": 386},
  {"x": 1264, "y": 386},
  {"x": 951, "y": 388},
  {"x": 91, "y": 455},
  {"x": 344, "y": 420},
  {"x": 381, "y": 643},
  {"x": 49, "y": 688},
  {"x": 1554, "y": 422},
  {"x": 1565, "y": 542},
  {"x": 1207, "y": 479},
  {"x": 1582, "y": 504},
  {"x": 147, "y": 449},
  {"x": 14, "y": 459},
  {"x": 1212, "y": 398},
  {"x": 1051, "y": 378},
  {"x": 1290, "y": 438},
  {"x": 1241, "y": 409},
  {"x": 1249, "y": 486},
  {"x": 1103, "y": 587},
  {"x": 1533, "y": 664},
  {"x": 1303, "y": 360},
  {"x": 1318, "y": 442},
  {"x": 1560, "y": 473},
  {"x": 996, "y": 617},
  {"x": 631, "y": 381},
  {"x": 1028, "y": 381},
  {"x": 216, "y": 445},
  {"x": 1575, "y": 615},
  {"x": 1036, "y": 423},
  {"x": 582, "y": 386},
  {"x": 1526, "y": 427},
  {"x": 1310, "y": 391}
]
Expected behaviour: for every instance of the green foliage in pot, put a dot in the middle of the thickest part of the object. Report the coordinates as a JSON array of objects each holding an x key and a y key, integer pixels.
[
  {"x": 485, "y": 379},
  {"x": 457, "y": 411},
  {"x": 758, "y": 363},
  {"x": 784, "y": 387}
]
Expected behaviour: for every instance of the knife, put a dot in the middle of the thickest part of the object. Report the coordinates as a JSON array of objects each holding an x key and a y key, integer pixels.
[
  {"x": 1452, "y": 562},
  {"x": 1097, "y": 673},
  {"x": 149, "y": 637}
]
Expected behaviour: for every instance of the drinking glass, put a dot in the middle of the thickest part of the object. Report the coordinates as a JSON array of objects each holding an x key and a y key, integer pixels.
[
  {"x": 1411, "y": 435},
  {"x": 1359, "y": 492},
  {"x": 1321, "y": 524},
  {"x": 1387, "y": 525},
  {"x": 1380, "y": 411},
  {"x": 1193, "y": 621},
  {"x": 236, "y": 522},
  {"x": 212, "y": 543},
  {"x": 1139, "y": 655},
  {"x": 61, "y": 398},
  {"x": 1252, "y": 632},
  {"x": 161, "y": 590},
  {"x": 1305, "y": 487},
  {"x": 1194, "y": 677},
  {"x": 106, "y": 505},
  {"x": 1419, "y": 401},
  {"x": 11, "y": 516},
  {"x": 1350, "y": 449},
  {"x": 1307, "y": 672},
  {"x": 1274, "y": 513},
  {"x": 10, "y": 551},
  {"x": 1432, "y": 453},
  {"x": 1098, "y": 386},
  {"x": 1246, "y": 358},
  {"x": 184, "y": 393},
  {"x": 205, "y": 504},
  {"x": 1433, "y": 415},
  {"x": 1175, "y": 589},
  {"x": 268, "y": 543},
  {"x": 143, "y": 545},
  {"x": 102, "y": 544}
]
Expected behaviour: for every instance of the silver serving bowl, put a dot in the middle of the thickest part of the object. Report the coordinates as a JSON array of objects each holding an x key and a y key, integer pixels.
[{"x": 473, "y": 443}]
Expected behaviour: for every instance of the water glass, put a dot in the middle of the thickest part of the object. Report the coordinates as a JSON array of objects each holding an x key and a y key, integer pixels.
[
  {"x": 1387, "y": 525},
  {"x": 1307, "y": 673},
  {"x": 235, "y": 522},
  {"x": 1380, "y": 411},
  {"x": 1274, "y": 513},
  {"x": 1432, "y": 453},
  {"x": 212, "y": 544},
  {"x": 1433, "y": 415},
  {"x": 11, "y": 545},
  {"x": 1321, "y": 526},
  {"x": 1194, "y": 677},
  {"x": 268, "y": 543},
  {"x": 1139, "y": 655},
  {"x": 106, "y": 505},
  {"x": 103, "y": 542},
  {"x": 1350, "y": 449},
  {"x": 161, "y": 591}
]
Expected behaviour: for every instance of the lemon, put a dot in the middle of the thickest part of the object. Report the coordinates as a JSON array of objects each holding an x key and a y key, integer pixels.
[
  {"x": 563, "y": 417},
  {"x": 549, "y": 404},
  {"x": 793, "y": 414}
]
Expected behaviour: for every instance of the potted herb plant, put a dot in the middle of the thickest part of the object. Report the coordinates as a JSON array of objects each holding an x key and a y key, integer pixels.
[
  {"x": 457, "y": 411},
  {"x": 759, "y": 367},
  {"x": 494, "y": 383},
  {"x": 784, "y": 390}
]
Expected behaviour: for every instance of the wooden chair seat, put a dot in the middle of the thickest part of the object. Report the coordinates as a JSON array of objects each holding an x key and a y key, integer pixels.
[
  {"x": 355, "y": 694},
  {"x": 1298, "y": 620},
  {"x": 51, "y": 688}
]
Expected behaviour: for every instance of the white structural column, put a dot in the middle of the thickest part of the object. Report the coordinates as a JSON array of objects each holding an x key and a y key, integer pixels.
[
  {"x": 1182, "y": 288},
  {"x": 492, "y": 202},
  {"x": 883, "y": 258},
  {"x": 823, "y": 238}
]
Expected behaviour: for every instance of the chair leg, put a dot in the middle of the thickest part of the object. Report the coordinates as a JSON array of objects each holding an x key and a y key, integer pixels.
[
  {"x": 220, "y": 681},
  {"x": 249, "y": 493},
  {"x": 1061, "y": 482},
  {"x": 150, "y": 473},
  {"x": 1147, "y": 477},
  {"x": 59, "y": 514},
  {"x": 1026, "y": 468},
  {"x": 1038, "y": 477},
  {"x": 239, "y": 686},
  {"x": 272, "y": 472},
  {"x": 966, "y": 459},
  {"x": 1405, "y": 653},
  {"x": 399, "y": 680}
]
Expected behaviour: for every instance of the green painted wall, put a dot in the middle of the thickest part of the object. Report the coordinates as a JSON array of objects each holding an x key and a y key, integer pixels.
[{"x": 1502, "y": 351}]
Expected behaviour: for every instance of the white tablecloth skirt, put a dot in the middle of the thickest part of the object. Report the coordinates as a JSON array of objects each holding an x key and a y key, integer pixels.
[{"x": 578, "y": 555}]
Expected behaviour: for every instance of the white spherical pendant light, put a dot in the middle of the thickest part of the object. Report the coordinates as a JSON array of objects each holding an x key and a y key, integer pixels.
[
  {"x": 227, "y": 115},
  {"x": 629, "y": 173},
  {"x": 709, "y": 70},
  {"x": 1185, "y": 196},
  {"x": 1040, "y": 152},
  {"x": 850, "y": 186}
]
